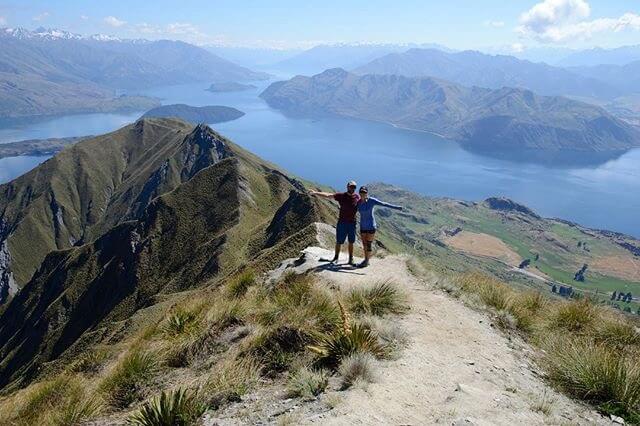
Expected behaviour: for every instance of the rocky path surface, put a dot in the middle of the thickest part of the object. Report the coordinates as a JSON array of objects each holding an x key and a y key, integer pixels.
[{"x": 457, "y": 369}]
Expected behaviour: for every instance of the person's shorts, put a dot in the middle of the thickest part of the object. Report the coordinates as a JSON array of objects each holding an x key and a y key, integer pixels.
[
  {"x": 368, "y": 231},
  {"x": 344, "y": 231}
]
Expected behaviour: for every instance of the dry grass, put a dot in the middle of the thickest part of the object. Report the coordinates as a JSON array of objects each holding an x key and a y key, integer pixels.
[
  {"x": 359, "y": 367},
  {"x": 229, "y": 380},
  {"x": 62, "y": 400},
  {"x": 307, "y": 383},
  {"x": 126, "y": 383},
  {"x": 379, "y": 299},
  {"x": 591, "y": 352}
]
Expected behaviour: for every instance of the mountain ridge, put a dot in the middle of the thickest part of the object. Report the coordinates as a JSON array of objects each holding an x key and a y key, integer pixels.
[{"x": 487, "y": 120}]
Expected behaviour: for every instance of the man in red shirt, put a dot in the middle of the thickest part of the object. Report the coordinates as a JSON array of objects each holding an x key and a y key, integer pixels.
[{"x": 346, "y": 227}]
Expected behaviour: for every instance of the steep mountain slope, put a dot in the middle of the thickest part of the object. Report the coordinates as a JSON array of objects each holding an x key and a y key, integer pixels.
[
  {"x": 85, "y": 190},
  {"x": 471, "y": 68},
  {"x": 221, "y": 207},
  {"x": 482, "y": 119}
]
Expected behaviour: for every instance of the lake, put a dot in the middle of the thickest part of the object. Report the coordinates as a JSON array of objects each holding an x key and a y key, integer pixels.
[{"x": 332, "y": 151}]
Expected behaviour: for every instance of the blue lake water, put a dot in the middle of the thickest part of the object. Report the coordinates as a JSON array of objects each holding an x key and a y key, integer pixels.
[{"x": 332, "y": 151}]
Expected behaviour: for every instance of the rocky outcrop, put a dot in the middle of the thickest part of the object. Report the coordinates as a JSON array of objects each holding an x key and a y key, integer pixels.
[{"x": 507, "y": 205}]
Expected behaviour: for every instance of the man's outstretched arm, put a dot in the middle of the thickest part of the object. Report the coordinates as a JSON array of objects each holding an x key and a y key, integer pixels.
[{"x": 323, "y": 194}]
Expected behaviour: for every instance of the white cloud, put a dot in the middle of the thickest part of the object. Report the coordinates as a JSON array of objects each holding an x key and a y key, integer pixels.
[
  {"x": 114, "y": 22},
  {"x": 84, "y": 17},
  {"x": 494, "y": 24},
  {"x": 3, "y": 20},
  {"x": 41, "y": 17},
  {"x": 517, "y": 47},
  {"x": 559, "y": 21}
]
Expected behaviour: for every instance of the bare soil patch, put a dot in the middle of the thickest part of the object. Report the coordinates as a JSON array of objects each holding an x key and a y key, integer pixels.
[
  {"x": 625, "y": 267},
  {"x": 483, "y": 245}
]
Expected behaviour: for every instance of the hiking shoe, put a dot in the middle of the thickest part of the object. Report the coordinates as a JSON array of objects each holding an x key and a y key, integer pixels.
[
  {"x": 363, "y": 264},
  {"x": 351, "y": 262}
]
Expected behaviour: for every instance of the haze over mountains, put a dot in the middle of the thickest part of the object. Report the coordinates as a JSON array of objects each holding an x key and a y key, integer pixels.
[
  {"x": 504, "y": 119},
  {"x": 52, "y": 71},
  {"x": 348, "y": 56},
  {"x": 471, "y": 68}
]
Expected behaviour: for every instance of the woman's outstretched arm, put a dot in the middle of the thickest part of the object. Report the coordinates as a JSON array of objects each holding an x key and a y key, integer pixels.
[{"x": 383, "y": 204}]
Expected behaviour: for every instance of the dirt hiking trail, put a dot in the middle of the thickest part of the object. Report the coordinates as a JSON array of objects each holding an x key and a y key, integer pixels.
[{"x": 457, "y": 369}]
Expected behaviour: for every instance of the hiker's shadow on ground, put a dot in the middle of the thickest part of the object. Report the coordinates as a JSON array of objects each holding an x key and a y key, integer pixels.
[{"x": 337, "y": 267}]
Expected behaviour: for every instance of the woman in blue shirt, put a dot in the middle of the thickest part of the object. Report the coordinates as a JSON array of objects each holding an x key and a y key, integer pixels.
[{"x": 368, "y": 222}]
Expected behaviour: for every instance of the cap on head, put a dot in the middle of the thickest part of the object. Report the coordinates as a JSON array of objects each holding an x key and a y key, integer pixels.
[
  {"x": 364, "y": 190},
  {"x": 352, "y": 184}
]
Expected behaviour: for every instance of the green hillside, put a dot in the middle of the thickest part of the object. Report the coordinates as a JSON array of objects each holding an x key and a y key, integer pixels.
[{"x": 452, "y": 234}]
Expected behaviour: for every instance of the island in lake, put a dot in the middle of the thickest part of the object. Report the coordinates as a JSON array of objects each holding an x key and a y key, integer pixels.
[
  {"x": 206, "y": 114},
  {"x": 37, "y": 147},
  {"x": 229, "y": 86}
]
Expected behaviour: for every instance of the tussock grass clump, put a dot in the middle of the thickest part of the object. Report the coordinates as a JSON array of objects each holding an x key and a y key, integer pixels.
[
  {"x": 60, "y": 401},
  {"x": 90, "y": 363},
  {"x": 345, "y": 340},
  {"x": 493, "y": 293},
  {"x": 616, "y": 333},
  {"x": 527, "y": 309},
  {"x": 357, "y": 367},
  {"x": 230, "y": 380},
  {"x": 125, "y": 384},
  {"x": 575, "y": 316},
  {"x": 596, "y": 373},
  {"x": 225, "y": 314},
  {"x": 239, "y": 285},
  {"x": 174, "y": 408},
  {"x": 291, "y": 313},
  {"x": 380, "y": 299},
  {"x": 306, "y": 383}
]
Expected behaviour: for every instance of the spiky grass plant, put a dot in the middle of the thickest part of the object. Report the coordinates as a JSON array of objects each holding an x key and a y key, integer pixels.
[
  {"x": 345, "y": 340},
  {"x": 125, "y": 384},
  {"x": 307, "y": 383},
  {"x": 180, "y": 407},
  {"x": 179, "y": 323},
  {"x": 380, "y": 299},
  {"x": 493, "y": 293}
]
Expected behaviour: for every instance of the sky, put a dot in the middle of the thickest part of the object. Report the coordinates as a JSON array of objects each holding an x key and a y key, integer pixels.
[{"x": 458, "y": 24}]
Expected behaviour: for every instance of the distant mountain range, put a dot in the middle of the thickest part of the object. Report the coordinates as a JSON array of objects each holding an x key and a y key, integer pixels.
[
  {"x": 626, "y": 78},
  {"x": 471, "y": 68},
  {"x": 490, "y": 120},
  {"x": 53, "y": 72},
  {"x": 348, "y": 56},
  {"x": 599, "y": 56}
]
